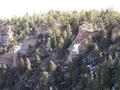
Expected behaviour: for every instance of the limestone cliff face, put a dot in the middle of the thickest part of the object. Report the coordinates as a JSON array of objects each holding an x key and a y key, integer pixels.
[
  {"x": 6, "y": 34},
  {"x": 78, "y": 46},
  {"x": 10, "y": 58},
  {"x": 115, "y": 33}
]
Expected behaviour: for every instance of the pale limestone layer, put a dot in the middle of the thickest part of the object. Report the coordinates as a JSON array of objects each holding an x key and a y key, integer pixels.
[
  {"x": 6, "y": 35},
  {"x": 78, "y": 46},
  {"x": 115, "y": 33}
]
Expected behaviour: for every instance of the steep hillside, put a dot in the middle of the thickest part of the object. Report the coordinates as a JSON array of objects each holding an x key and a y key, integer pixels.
[{"x": 61, "y": 51}]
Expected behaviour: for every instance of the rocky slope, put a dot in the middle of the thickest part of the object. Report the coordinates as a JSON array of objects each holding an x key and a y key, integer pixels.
[{"x": 80, "y": 53}]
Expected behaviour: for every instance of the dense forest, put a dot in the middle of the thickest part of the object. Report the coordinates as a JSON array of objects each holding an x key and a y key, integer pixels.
[{"x": 48, "y": 65}]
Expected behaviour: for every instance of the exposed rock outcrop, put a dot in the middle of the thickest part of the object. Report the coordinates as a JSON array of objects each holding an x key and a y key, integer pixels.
[
  {"x": 115, "y": 33},
  {"x": 78, "y": 46}
]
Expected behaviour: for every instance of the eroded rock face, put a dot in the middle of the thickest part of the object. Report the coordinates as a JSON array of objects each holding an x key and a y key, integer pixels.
[
  {"x": 26, "y": 43},
  {"x": 10, "y": 58},
  {"x": 115, "y": 33},
  {"x": 6, "y": 34},
  {"x": 79, "y": 44}
]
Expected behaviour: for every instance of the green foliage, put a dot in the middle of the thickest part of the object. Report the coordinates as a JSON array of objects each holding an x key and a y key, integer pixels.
[
  {"x": 65, "y": 35},
  {"x": 61, "y": 42},
  {"x": 3, "y": 50},
  {"x": 52, "y": 66},
  {"x": 38, "y": 59},
  {"x": 104, "y": 79},
  {"x": 28, "y": 64},
  {"x": 56, "y": 32},
  {"x": 54, "y": 41},
  {"x": 96, "y": 48},
  {"x": 22, "y": 65},
  {"x": 61, "y": 74},
  {"x": 69, "y": 31},
  {"x": 74, "y": 25},
  {"x": 37, "y": 52},
  {"x": 45, "y": 77},
  {"x": 50, "y": 33}
]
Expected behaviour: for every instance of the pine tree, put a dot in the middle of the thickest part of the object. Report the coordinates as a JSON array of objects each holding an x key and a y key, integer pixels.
[
  {"x": 74, "y": 22},
  {"x": 96, "y": 49},
  {"x": 103, "y": 78},
  {"x": 45, "y": 77},
  {"x": 45, "y": 81},
  {"x": 37, "y": 56},
  {"x": 110, "y": 58},
  {"x": 22, "y": 65},
  {"x": 54, "y": 42},
  {"x": 60, "y": 47},
  {"x": 116, "y": 77},
  {"x": 118, "y": 74},
  {"x": 38, "y": 59},
  {"x": 56, "y": 32},
  {"x": 60, "y": 42},
  {"x": 52, "y": 66},
  {"x": 28, "y": 64},
  {"x": 69, "y": 31},
  {"x": 37, "y": 52},
  {"x": 48, "y": 44},
  {"x": 65, "y": 35},
  {"x": 50, "y": 33}
]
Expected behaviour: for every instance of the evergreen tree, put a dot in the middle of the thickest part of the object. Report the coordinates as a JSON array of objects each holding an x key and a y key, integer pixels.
[
  {"x": 74, "y": 22},
  {"x": 48, "y": 44},
  {"x": 104, "y": 80},
  {"x": 52, "y": 66},
  {"x": 50, "y": 33},
  {"x": 60, "y": 43},
  {"x": 65, "y": 35},
  {"x": 28, "y": 64},
  {"x": 45, "y": 81},
  {"x": 38, "y": 59},
  {"x": 22, "y": 65},
  {"x": 96, "y": 49},
  {"x": 37, "y": 56},
  {"x": 54, "y": 42},
  {"x": 116, "y": 73},
  {"x": 69, "y": 31},
  {"x": 56, "y": 32},
  {"x": 37, "y": 52}
]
